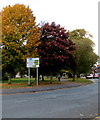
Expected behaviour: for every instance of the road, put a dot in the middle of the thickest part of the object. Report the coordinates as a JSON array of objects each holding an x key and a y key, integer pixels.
[{"x": 78, "y": 102}]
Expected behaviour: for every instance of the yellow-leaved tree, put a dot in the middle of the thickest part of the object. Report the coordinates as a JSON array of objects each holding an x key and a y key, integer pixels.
[{"x": 20, "y": 36}]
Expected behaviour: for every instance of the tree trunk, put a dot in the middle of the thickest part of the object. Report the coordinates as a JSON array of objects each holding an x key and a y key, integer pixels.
[
  {"x": 74, "y": 75},
  {"x": 59, "y": 79},
  {"x": 9, "y": 79},
  {"x": 78, "y": 76},
  {"x": 51, "y": 78},
  {"x": 42, "y": 77}
]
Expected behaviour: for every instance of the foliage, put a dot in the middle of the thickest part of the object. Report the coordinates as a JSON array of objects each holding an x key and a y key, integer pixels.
[
  {"x": 55, "y": 50},
  {"x": 85, "y": 55},
  {"x": 19, "y": 37}
]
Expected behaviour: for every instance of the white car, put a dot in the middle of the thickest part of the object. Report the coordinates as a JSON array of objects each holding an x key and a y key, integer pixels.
[{"x": 89, "y": 76}]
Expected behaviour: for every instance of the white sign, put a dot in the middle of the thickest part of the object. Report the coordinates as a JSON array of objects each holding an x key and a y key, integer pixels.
[{"x": 32, "y": 62}]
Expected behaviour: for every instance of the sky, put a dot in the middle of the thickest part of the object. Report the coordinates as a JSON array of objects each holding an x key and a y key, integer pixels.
[{"x": 70, "y": 14}]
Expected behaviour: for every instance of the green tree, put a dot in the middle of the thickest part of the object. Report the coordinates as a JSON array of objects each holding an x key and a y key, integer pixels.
[
  {"x": 86, "y": 57},
  {"x": 19, "y": 37}
]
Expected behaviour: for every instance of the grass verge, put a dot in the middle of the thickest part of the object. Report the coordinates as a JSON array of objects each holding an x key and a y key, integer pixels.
[
  {"x": 80, "y": 80},
  {"x": 23, "y": 82}
]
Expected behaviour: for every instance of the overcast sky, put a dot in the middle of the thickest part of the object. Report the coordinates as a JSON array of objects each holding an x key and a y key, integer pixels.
[{"x": 71, "y": 14}]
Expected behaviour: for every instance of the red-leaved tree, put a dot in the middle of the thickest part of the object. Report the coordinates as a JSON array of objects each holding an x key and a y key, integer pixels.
[{"x": 56, "y": 50}]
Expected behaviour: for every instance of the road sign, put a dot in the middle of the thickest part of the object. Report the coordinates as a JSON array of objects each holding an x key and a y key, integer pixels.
[{"x": 32, "y": 62}]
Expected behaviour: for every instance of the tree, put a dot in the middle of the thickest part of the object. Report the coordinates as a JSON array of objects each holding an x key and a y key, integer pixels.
[
  {"x": 86, "y": 57},
  {"x": 55, "y": 49},
  {"x": 19, "y": 37}
]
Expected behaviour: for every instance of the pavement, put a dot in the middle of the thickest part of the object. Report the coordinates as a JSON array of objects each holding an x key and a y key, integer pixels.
[{"x": 39, "y": 88}]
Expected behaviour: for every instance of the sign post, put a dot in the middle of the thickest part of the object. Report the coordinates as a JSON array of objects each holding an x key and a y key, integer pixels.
[
  {"x": 37, "y": 75},
  {"x": 29, "y": 81},
  {"x": 32, "y": 63}
]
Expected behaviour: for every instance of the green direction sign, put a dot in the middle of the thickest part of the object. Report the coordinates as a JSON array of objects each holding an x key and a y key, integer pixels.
[{"x": 32, "y": 62}]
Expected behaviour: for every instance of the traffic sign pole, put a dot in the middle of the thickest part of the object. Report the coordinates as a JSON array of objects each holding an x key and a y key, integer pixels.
[
  {"x": 29, "y": 82},
  {"x": 37, "y": 75}
]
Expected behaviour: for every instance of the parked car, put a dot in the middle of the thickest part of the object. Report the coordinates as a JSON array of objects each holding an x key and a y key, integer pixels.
[
  {"x": 89, "y": 76},
  {"x": 96, "y": 75}
]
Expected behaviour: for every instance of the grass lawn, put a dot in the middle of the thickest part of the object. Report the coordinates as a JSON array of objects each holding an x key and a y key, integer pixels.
[
  {"x": 23, "y": 82},
  {"x": 80, "y": 80}
]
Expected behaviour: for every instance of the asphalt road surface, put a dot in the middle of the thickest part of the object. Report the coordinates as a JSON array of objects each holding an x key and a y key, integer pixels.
[{"x": 78, "y": 102}]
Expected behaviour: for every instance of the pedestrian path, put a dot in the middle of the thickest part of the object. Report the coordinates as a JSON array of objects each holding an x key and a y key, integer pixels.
[{"x": 39, "y": 88}]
